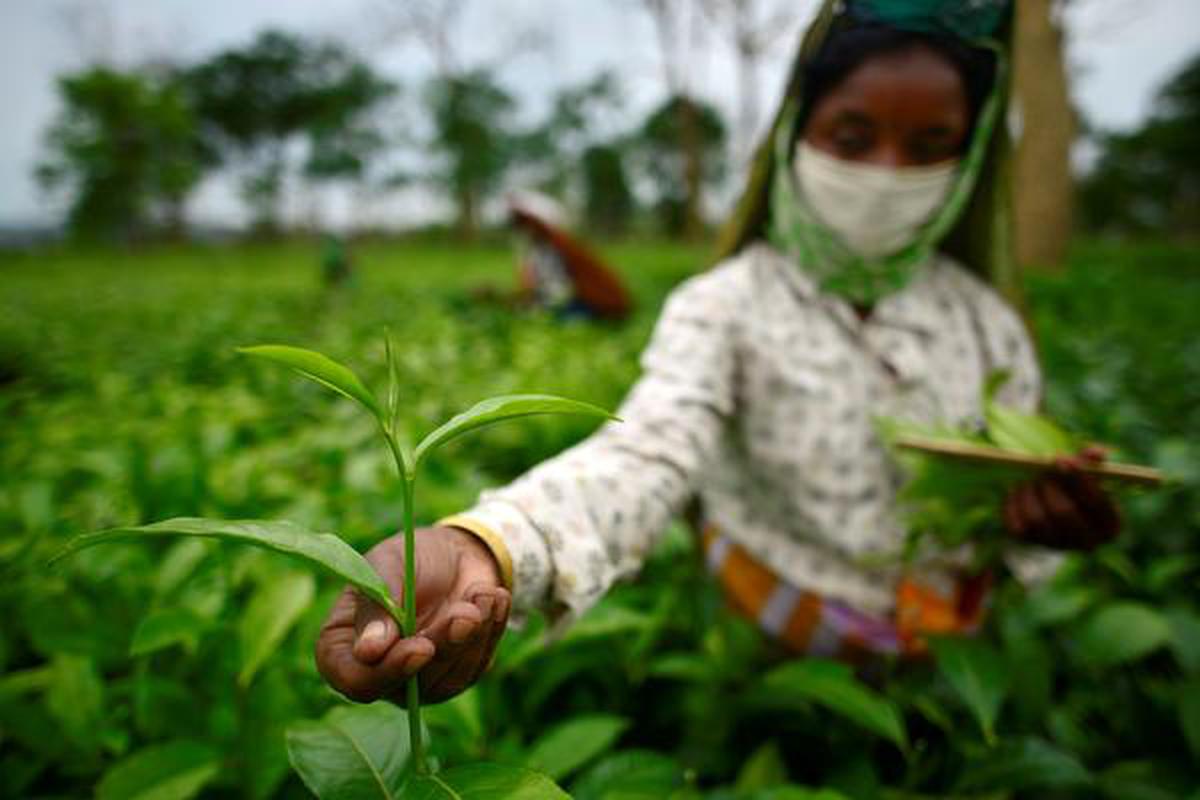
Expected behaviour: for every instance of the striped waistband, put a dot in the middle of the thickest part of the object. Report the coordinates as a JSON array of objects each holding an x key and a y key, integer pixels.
[{"x": 810, "y": 624}]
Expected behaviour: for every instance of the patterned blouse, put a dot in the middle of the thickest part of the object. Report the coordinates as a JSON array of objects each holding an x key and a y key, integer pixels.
[{"x": 757, "y": 397}]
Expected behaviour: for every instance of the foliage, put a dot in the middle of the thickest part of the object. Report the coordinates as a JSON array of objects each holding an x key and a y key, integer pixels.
[
  {"x": 583, "y": 153},
  {"x": 1148, "y": 180},
  {"x": 474, "y": 140},
  {"x": 607, "y": 197},
  {"x": 125, "y": 150},
  {"x": 682, "y": 147},
  {"x": 125, "y": 403},
  {"x": 257, "y": 101}
]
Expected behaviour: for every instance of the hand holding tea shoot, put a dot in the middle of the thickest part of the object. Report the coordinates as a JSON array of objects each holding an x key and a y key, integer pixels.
[{"x": 458, "y": 574}]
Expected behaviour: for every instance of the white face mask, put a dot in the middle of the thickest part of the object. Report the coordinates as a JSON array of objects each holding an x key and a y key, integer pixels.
[{"x": 876, "y": 211}]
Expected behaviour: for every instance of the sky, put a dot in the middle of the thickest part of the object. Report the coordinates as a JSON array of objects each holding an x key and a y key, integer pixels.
[{"x": 1120, "y": 52}]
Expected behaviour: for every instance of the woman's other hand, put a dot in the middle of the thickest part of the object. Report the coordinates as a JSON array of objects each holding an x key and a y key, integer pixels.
[
  {"x": 462, "y": 610},
  {"x": 1064, "y": 507}
]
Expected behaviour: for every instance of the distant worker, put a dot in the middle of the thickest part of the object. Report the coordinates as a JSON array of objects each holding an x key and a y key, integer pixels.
[
  {"x": 336, "y": 268},
  {"x": 555, "y": 271}
]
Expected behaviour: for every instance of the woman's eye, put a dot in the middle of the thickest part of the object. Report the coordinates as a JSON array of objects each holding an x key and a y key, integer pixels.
[
  {"x": 932, "y": 150},
  {"x": 849, "y": 145}
]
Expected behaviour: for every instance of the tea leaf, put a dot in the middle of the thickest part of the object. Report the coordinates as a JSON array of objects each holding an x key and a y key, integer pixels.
[
  {"x": 319, "y": 549},
  {"x": 1122, "y": 632},
  {"x": 75, "y": 697},
  {"x": 1024, "y": 764},
  {"x": 322, "y": 369},
  {"x": 482, "y": 781},
  {"x": 173, "y": 771},
  {"x": 835, "y": 687},
  {"x": 630, "y": 774},
  {"x": 569, "y": 746},
  {"x": 354, "y": 752},
  {"x": 166, "y": 627},
  {"x": 1026, "y": 433},
  {"x": 275, "y": 607},
  {"x": 393, "y": 401},
  {"x": 976, "y": 671},
  {"x": 498, "y": 409}
]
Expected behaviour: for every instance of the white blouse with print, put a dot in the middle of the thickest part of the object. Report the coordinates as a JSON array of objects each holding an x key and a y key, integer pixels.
[{"x": 758, "y": 396}]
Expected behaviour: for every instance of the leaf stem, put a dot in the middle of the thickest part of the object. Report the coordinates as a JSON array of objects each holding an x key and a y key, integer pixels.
[
  {"x": 410, "y": 622},
  {"x": 412, "y": 691}
]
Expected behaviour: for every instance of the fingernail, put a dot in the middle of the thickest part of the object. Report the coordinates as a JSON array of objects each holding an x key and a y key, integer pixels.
[
  {"x": 373, "y": 632},
  {"x": 460, "y": 629},
  {"x": 414, "y": 663}
]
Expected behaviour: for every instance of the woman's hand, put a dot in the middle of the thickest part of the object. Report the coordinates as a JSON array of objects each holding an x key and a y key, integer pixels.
[
  {"x": 462, "y": 609},
  {"x": 1064, "y": 508}
]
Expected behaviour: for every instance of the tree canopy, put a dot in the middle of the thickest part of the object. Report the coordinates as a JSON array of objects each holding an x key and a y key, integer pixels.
[{"x": 1149, "y": 179}]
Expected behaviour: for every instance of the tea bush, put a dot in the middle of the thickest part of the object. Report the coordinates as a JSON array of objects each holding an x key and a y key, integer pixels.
[{"x": 180, "y": 666}]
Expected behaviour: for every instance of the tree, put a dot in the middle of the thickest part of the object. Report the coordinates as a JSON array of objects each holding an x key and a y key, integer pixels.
[
  {"x": 281, "y": 94},
  {"x": 670, "y": 165},
  {"x": 1148, "y": 180},
  {"x": 677, "y": 34},
  {"x": 608, "y": 201},
  {"x": 752, "y": 28},
  {"x": 126, "y": 150},
  {"x": 1044, "y": 187},
  {"x": 473, "y": 139},
  {"x": 581, "y": 151}
]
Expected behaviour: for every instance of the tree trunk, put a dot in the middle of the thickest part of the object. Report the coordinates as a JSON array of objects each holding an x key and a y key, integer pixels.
[
  {"x": 1043, "y": 193},
  {"x": 689, "y": 136},
  {"x": 468, "y": 217}
]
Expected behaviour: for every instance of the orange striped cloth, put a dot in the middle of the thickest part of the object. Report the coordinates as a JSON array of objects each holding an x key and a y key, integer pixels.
[{"x": 808, "y": 624}]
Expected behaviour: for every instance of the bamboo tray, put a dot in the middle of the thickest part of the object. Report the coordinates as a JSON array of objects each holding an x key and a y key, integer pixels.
[{"x": 980, "y": 453}]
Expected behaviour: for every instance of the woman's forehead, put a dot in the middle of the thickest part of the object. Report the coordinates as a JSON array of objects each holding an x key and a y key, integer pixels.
[{"x": 913, "y": 81}]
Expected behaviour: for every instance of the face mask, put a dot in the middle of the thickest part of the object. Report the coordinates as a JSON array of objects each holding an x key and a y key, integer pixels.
[{"x": 875, "y": 211}]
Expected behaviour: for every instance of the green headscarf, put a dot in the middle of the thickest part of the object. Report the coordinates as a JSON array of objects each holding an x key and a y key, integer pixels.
[{"x": 974, "y": 225}]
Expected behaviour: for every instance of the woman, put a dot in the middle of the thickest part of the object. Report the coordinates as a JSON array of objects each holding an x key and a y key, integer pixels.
[{"x": 839, "y": 303}]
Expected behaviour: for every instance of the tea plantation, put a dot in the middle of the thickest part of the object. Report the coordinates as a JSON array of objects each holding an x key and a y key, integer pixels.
[{"x": 174, "y": 670}]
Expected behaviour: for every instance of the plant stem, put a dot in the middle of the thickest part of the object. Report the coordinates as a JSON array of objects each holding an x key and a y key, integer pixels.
[
  {"x": 412, "y": 691},
  {"x": 410, "y": 622}
]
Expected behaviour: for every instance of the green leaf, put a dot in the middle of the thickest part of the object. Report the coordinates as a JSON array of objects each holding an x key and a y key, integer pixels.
[
  {"x": 483, "y": 781},
  {"x": 1188, "y": 703},
  {"x": 977, "y": 673},
  {"x": 1055, "y": 603},
  {"x": 353, "y": 753},
  {"x": 799, "y": 793},
  {"x": 275, "y": 607},
  {"x": 1026, "y": 433},
  {"x": 568, "y": 746},
  {"x": 498, "y": 409},
  {"x": 996, "y": 379},
  {"x": 75, "y": 697},
  {"x": 1185, "y": 638},
  {"x": 1023, "y": 764},
  {"x": 630, "y": 775},
  {"x": 762, "y": 770},
  {"x": 834, "y": 686},
  {"x": 173, "y": 771},
  {"x": 1122, "y": 632},
  {"x": 607, "y": 619},
  {"x": 393, "y": 398},
  {"x": 319, "y": 549},
  {"x": 1136, "y": 780},
  {"x": 166, "y": 627},
  {"x": 322, "y": 369}
]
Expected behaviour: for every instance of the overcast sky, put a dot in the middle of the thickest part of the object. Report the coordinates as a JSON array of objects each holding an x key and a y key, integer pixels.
[{"x": 1121, "y": 51}]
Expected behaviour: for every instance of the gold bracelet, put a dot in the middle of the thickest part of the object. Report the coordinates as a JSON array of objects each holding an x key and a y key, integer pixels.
[{"x": 490, "y": 539}]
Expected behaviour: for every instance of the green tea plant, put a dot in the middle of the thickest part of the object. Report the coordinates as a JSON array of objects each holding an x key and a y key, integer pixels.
[{"x": 365, "y": 756}]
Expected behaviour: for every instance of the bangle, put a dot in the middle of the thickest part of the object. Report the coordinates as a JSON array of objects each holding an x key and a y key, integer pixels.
[{"x": 490, "y": 539}]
